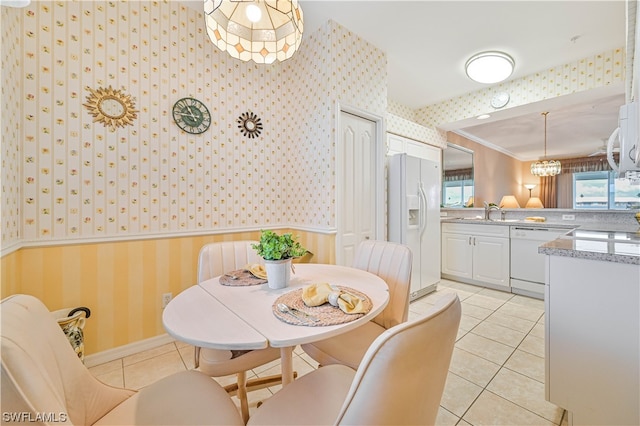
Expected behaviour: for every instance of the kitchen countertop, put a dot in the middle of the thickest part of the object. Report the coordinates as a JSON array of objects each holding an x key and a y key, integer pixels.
[
  {"x": 509, "y": 222},
  {"x": 609, "y": 246},
  {"x": 609, "y": 242}
]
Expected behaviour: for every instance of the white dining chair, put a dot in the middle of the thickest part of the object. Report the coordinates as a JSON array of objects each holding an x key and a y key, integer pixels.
[
  {"x": 391, "y": 262},
  {"x": 42, "y": 377},
  {"x": 400, "y": 380},
  {"x": 216, "y": 259}
]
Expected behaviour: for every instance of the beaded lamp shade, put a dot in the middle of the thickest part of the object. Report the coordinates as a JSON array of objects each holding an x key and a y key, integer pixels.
[{"x": 545, "y": 167}]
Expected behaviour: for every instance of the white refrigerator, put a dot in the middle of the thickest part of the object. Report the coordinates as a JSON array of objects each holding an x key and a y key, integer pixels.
[{"x": 414, "y": 216}]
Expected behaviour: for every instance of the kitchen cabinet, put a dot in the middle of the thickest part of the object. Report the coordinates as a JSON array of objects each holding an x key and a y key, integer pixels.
[
  {"x": 401, "y": 145},
  {"x": 592, "y": 333},
  {"x": 476, "y": 254}
]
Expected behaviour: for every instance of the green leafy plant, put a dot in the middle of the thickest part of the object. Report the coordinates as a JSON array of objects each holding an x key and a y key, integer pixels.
[{"x": 277, "y": 247}]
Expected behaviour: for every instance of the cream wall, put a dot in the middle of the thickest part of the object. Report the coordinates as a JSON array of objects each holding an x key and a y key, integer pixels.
[
  {"x": 495, "y": 174},
  {"x": 596, "y": 71},
  {"x": 11, "y": 125},
  {"x": 334, "y": 67},
  {"x": 81, "y": 180}
]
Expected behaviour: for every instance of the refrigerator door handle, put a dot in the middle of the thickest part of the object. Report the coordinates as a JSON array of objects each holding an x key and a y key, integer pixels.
[
  {"x": 423, "y": 209},
  {"x": 420, "y": 209}
]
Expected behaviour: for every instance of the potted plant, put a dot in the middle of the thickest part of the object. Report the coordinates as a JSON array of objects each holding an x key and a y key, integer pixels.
[{"x": 278, "y": 252}]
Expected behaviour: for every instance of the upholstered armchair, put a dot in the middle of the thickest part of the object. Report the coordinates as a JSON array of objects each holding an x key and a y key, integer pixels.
[
  {"x": 391, "y": 262},
  {"x": 400, "y": 379},
  {"x": 43, "y": 378}
]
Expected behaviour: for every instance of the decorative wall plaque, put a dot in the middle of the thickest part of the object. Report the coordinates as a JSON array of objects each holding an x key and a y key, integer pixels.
[
  {"x": 250, "y": 124},
  {"x": 111, "y": 107}
]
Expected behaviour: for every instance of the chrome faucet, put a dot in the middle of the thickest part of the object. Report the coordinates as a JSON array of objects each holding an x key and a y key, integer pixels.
[{"x": 488, "y": 208}]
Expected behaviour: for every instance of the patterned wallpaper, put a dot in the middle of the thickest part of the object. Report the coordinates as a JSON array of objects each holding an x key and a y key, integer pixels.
[
  {"x": 401, "y": 120},
  {"x": 333, "y": 65},
  {"x": 588, "y": 73},
  {"x": 308, "y": 114},
  {"x": 81, "y": 180},
  {"x": 400, "y": 110},
  {"x": 10, "y": 122},
  {"x": 401, "y": 126}
]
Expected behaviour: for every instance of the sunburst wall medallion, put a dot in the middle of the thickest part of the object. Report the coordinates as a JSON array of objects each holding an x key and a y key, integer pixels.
[
  {"x": 250, "y": 124},
  {"x": 111, "y": 107}
]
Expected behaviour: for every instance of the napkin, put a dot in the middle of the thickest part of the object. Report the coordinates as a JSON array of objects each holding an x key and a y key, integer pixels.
[
  {"x": 535, "y": 219},
  {"x": 257, "y": 270},
  {"x": 318, "y": 294}
]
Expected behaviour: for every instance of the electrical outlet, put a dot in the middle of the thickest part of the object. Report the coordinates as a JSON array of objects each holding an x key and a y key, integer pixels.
[
  {"x": 568, "y": 217},
  {"x": 166, "y": 298}
]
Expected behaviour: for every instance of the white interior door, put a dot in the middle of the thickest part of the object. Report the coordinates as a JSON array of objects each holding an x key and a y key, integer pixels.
[{"x": 356, "y": 185}]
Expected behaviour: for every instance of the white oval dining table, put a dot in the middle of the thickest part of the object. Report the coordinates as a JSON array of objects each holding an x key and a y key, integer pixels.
[{"x": 212, "y": 315}]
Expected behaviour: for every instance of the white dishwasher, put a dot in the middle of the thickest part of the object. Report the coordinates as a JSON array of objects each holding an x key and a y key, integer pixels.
[{"x": 527, "y": 265}]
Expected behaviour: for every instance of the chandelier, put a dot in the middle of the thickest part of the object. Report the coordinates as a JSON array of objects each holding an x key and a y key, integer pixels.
[
  {"x": 262, "y": 31},
  {"x": 545, "y": 167}
]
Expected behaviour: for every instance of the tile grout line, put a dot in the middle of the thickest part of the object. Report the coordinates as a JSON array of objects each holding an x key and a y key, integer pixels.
[
  {"x": 503, "y": 365},
  {"x": 485, "y": 389}
]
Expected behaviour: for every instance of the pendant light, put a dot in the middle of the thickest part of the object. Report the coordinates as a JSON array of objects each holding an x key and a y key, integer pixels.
[
  {"x": 262, "y": 31},
  {"x": 545, "y": 167}
]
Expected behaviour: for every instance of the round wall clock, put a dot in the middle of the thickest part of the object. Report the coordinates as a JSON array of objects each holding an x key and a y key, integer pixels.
[
  {"x": 500, "y": 99},
  {"x": 191, "y": 115}
]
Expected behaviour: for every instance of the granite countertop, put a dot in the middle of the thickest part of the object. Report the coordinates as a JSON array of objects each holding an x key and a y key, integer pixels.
[
  {"x": 604, "y": 245},
  {"x": 509, "y": 222}
]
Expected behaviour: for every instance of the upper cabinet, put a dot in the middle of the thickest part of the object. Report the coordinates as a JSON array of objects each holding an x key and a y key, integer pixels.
[{"x": 399, "y": 145}]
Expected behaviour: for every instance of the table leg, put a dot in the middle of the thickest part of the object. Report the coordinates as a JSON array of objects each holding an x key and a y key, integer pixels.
[{"x": 286, "y": 357}]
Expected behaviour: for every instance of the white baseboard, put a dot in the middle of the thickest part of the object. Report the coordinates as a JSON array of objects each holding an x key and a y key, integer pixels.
[{"x": 126, "y": 350}]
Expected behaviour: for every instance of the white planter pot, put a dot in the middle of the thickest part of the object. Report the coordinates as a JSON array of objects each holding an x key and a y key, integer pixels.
[{"x": 278, "y": 273}]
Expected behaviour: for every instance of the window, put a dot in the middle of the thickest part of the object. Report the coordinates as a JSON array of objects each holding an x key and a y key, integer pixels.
[
  {"x": 603, "y": 190},
  {"x": 457, "y": 193}
]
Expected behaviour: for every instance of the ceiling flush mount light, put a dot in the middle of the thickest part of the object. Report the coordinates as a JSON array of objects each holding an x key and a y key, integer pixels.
[
  {"x": 489, "y": 67},
  {"x": 545, "y": 167},
  {"x": 262, "y": 31}
]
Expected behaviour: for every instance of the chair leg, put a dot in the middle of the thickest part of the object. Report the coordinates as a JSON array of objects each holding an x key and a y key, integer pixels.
[
  {"x": 257, "y": 384},
  {"x": 265, "y": 382},
  {"x": 242, "y": 395},
  {"x": 196, "y": 357}
]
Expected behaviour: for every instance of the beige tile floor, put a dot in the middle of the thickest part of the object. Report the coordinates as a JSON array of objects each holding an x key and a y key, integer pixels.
[{"x": 496, "y": 375}]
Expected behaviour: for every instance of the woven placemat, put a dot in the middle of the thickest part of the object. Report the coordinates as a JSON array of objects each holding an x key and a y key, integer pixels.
[
  {"x": 240, "y": 277},
  {"x": 326, "y": 313}
]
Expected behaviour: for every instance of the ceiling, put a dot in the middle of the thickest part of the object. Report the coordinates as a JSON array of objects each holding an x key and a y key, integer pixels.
[{"x": 428, "y": 42}]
